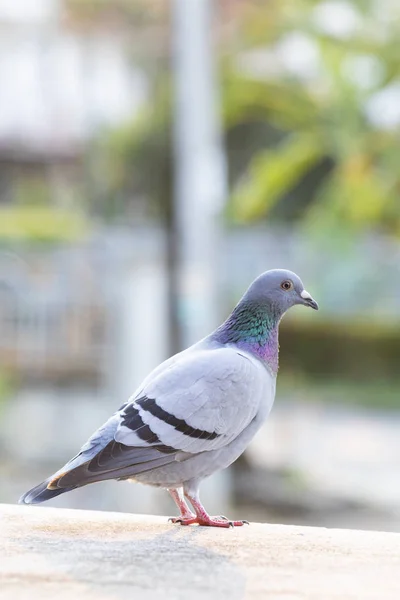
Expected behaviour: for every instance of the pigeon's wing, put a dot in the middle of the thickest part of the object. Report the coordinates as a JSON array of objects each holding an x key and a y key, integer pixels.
[{"x": 197, "y": 404}]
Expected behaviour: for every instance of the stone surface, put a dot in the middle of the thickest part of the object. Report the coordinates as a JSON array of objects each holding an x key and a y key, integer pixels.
[{"x": 67, "y": 554}]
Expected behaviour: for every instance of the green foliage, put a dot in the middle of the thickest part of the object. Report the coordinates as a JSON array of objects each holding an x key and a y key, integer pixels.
[
  {"x": 271, "y": 173},
  {"x": 7, "y": 387},
  {"x": 138, "y": 12},
  {"x": 382, "y": 394},
  {"x": 41, "y": 224},
  {"x": 281, "y": 125},
  {"x": 328, "y": 110},
  {"x": 364, "y": 351},
  {"x": 135, "y": 160}
]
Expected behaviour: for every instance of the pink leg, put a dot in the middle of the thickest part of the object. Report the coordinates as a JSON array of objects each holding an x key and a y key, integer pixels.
[
  {"x": 185, "y": 512},
  {"x": 203, "y": 518}
]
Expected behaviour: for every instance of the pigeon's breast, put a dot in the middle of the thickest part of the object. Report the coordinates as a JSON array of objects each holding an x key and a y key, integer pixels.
[{"x": 266, "y": 388}]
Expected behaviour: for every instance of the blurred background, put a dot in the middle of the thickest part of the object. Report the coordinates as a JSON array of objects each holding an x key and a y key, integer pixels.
[{"x": 156, "y": 156}]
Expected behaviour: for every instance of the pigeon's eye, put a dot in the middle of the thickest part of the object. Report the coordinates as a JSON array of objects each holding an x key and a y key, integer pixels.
[{"x": 286, "y": 285}]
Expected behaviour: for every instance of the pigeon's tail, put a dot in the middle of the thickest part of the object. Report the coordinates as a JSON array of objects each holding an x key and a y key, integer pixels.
[{"x": 41, "y": 493}]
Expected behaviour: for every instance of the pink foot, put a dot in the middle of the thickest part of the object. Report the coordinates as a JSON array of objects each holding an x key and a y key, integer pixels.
[
  {"x": 206, "y": 521},
  {"x": 220, "y": 521}
]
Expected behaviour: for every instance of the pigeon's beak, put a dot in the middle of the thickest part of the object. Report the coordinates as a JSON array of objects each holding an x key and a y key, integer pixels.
[{"x": 307, "y": 300}]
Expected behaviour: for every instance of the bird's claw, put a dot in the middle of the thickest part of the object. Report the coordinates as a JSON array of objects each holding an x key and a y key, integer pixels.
[
  {"x": 238, "y": 523},
  {"x": 223, "y": 518},
  {"x": 182, "y": 520},
  {"x": 219, "y": 521}
]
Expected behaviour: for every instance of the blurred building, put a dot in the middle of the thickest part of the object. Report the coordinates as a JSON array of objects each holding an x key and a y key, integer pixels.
[{"x": 59, "y": 87}]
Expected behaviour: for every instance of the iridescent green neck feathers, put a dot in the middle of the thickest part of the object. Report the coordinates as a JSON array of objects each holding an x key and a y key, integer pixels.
[{"x": 253, "y": 326}]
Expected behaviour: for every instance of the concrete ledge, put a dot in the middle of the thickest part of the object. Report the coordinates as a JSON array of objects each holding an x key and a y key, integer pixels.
[{"x": 70, "y": 554}]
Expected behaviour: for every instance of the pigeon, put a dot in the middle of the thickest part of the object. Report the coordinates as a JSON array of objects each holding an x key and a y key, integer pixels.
[{"x": 196, "y": 413}]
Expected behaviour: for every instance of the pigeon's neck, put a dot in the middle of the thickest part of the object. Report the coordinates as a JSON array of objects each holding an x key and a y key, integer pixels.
[{"x": 253, "y": 326}]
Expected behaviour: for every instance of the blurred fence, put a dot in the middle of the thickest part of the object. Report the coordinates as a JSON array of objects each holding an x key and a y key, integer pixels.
[
  {"x": 52, "y": 338},
  {"x": 60, "y": 310}
]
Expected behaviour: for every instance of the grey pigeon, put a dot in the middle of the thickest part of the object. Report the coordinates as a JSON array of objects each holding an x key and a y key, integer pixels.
[{"x": 195, "y": 413}]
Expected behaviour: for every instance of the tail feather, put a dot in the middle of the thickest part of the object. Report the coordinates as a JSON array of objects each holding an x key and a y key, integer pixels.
[
  {"x": 41, "y": 493},
  {"x": 80, "y": 476},
  {"x": 113, "y": 461}
]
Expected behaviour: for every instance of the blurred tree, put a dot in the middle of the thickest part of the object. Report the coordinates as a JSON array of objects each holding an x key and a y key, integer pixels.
[
  {"x": 319, "y": 79},
  {"x": 309, "y": 91},
  {"x": 32, "y": 215},
  {"x": 43, "y": 224}
]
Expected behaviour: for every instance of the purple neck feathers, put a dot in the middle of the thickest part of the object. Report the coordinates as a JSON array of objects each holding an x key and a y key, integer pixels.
[{"x": 253, "y": 327}]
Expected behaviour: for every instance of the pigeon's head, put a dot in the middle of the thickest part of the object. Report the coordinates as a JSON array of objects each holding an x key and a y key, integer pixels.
[{"x": 280, "y": 288}]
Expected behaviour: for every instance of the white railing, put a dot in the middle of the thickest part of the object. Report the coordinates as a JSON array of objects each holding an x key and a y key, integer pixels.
[{"x": 52, "y": 336}]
